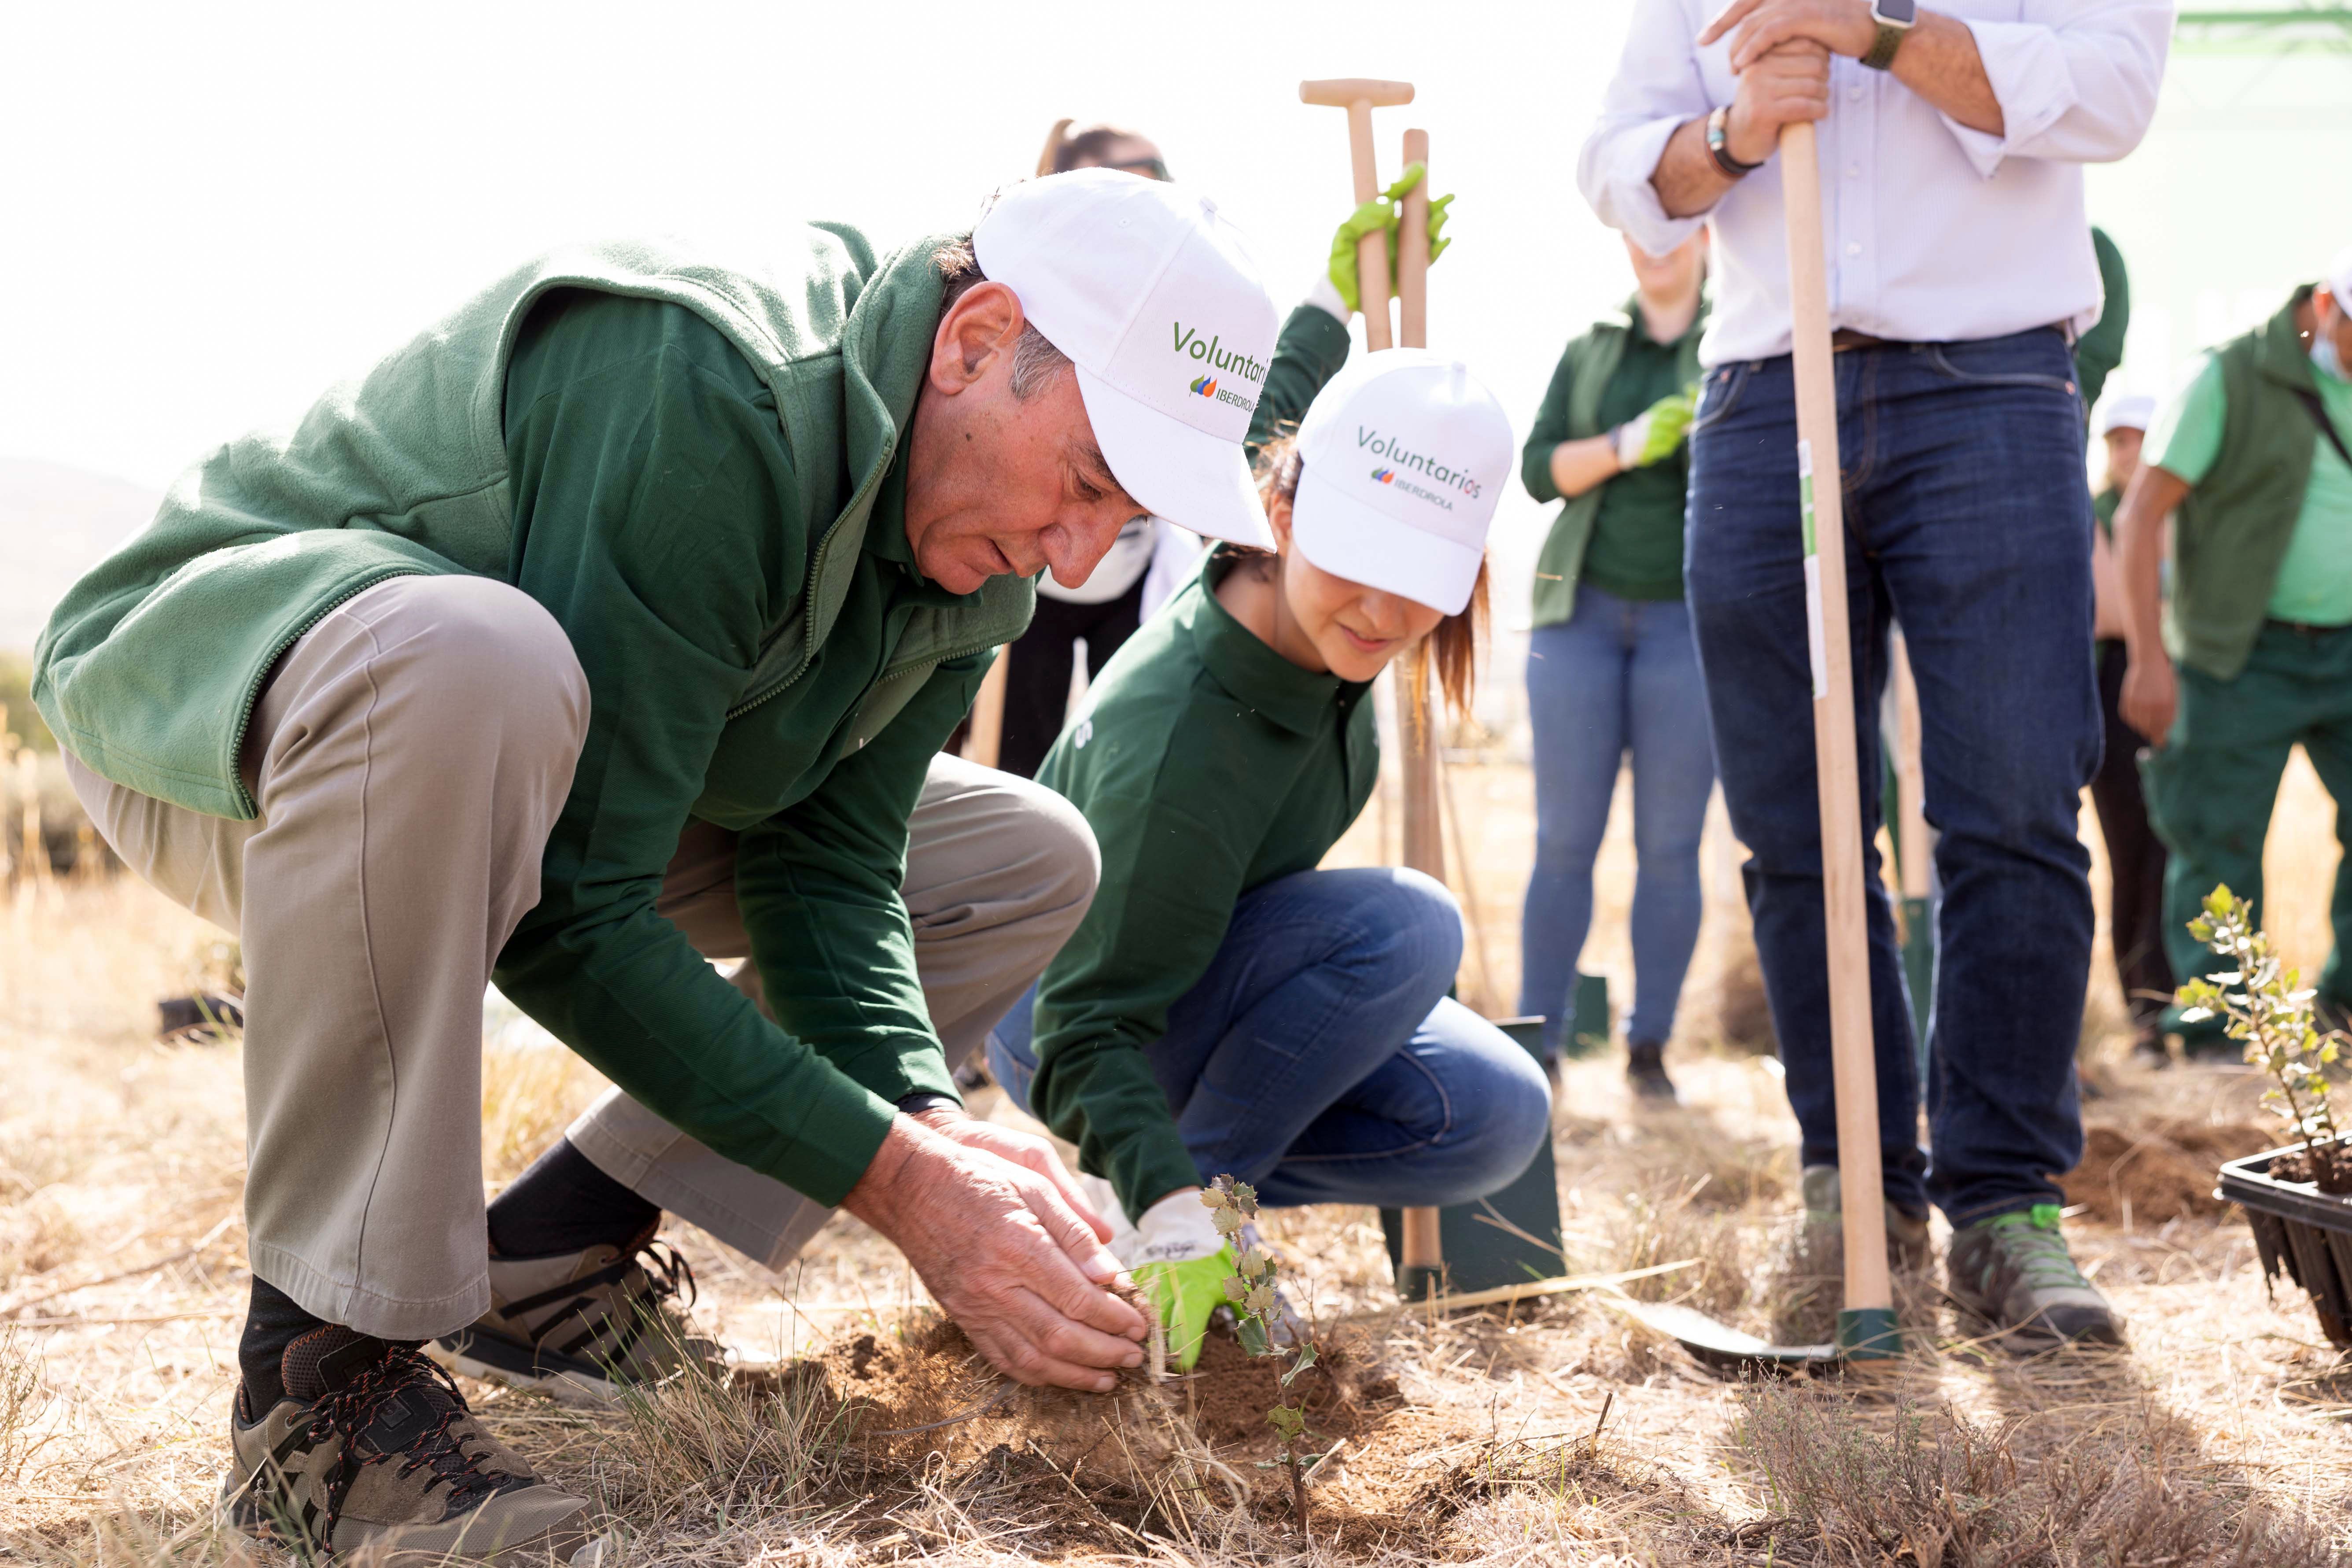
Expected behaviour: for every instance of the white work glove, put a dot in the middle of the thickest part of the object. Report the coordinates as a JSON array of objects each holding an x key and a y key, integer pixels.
[{"x": 1180, "y": 1261}]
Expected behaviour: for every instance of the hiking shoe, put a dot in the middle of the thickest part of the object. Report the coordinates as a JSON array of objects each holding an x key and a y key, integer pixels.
[
  {"x": 2013, "y": 1270},
  {"x": 1645, "y": 1070},
  {"x": 1821, "y": 1241},
  {"x": 580, "y": 1327},
  {"x": 372, "y": 1450}
]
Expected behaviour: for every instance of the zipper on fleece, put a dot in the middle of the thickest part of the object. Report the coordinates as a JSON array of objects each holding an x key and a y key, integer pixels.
[
  {"x": 253, "y": 692},
  {"x": 864, "y": 498}
]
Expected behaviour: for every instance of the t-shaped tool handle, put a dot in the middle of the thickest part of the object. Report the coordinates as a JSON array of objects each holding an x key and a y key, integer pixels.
[{"x": 1359, "y": 96}]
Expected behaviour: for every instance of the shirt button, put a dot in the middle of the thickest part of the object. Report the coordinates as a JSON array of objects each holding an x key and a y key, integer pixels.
[
  {"x": 1854, "y": 95},
  {"x": 1853, "y": 170},
  {"x": 1853, "y": 249}
]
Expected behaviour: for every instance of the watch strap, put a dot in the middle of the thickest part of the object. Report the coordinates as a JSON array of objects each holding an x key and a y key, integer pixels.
[{"x": 1882, "y": 49}]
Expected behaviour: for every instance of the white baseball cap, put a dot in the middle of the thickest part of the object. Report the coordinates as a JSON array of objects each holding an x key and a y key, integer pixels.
[
  {"x": 1403, "y": 457},
  {"x": 2135, "y": 411},
  {"x": 1150, "y": 294}
]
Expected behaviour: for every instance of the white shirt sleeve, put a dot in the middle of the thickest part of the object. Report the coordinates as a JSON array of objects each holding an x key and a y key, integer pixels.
[
  {"x": 2076, "y": 80},
  {"x": 1657, "y": 89}
]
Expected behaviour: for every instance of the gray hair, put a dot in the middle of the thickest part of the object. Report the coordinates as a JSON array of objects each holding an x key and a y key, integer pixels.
[{"x": 1037, "y": 365}]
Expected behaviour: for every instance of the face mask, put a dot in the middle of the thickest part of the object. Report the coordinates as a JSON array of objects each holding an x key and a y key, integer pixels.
[{"x": 2324, "y": 355}]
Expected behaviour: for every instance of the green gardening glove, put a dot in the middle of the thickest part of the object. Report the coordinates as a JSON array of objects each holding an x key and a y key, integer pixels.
[
  {"x": 1186, "y": 1293},
  {"x": 1381, "y": 215},
  {"x": 1653, "y": 435}
]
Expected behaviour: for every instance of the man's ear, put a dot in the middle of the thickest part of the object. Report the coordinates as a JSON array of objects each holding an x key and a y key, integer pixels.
[{"x": 978, "y": 330}]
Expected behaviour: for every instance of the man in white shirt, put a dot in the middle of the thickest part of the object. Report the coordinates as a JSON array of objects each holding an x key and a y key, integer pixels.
[{"x": 1961, "y": 268}]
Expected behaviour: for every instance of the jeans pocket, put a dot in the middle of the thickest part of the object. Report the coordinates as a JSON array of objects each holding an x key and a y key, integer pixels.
[
  {"x": 1719, "y": 393},
  {"x": 2020, "y": 350}
]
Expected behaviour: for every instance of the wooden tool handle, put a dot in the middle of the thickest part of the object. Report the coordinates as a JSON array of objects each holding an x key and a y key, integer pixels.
[
  {"x": 1339, "y": 92},
  {"x": 1850, "y": 1046},
  {"x": 1413, "y": 249},
  {"x": 985, "y": 742},
  {"x": 1424, "y": 844},
  {"x": 1372, "y": 250}
]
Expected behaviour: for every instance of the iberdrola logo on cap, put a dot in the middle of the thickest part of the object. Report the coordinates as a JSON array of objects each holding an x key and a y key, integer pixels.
[
  {"x": 1205, "y": 388},
  {"x": 1212, "y": 352},
  {"x": 1384, "y": 476}
]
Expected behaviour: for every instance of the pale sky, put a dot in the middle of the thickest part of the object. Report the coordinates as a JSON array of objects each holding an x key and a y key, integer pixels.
[{"x": 213, "y": 211}]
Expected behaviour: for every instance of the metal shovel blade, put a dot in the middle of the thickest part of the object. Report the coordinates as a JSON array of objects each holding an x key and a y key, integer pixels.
[{"x": 1720, "y": 1345}]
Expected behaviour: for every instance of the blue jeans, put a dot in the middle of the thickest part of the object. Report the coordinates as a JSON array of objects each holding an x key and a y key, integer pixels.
[
  {"x": 1968, "y": 521},
  {"x": 1319, "y": 1058},
  {"x": 1620, "y": 675}
]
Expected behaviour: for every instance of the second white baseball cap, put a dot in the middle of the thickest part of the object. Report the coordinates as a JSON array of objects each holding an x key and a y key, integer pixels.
[
  {"x": 1403, "y": 457},
  {"x": 2134, "y": 411},
  {"x": 1151, "y": 295}
]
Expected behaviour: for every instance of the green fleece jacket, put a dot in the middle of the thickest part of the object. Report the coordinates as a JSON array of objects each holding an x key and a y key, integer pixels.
[{"x": 695, "y": 463}]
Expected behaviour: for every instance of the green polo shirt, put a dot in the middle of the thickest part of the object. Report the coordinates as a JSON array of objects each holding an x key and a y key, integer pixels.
[
  {"x": 2315, "y": 580},
  {"x": 1207, "y": 764},
  {"x": 1637, "y": 538}
]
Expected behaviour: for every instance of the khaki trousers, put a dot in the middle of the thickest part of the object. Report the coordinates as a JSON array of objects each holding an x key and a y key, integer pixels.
[{"x": 409, "y": 756}]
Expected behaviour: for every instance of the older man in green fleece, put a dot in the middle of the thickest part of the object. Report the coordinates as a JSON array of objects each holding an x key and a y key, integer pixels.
[{"x": 612, "y": 625}]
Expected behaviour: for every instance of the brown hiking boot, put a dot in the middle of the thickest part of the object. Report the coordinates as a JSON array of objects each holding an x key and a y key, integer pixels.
[
  {"x": 582, "y": 1326},
  {"x": 372, "y": 1451}
]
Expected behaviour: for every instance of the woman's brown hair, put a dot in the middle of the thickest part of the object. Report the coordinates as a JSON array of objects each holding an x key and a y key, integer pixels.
[{"x": 1452, "y": 648}]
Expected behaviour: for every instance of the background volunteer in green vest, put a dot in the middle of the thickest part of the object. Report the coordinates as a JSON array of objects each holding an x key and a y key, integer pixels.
[
  {"x": 1611, "y": 666},
  {"x": 1152, "y": 560},
  {"x": 1225, "y": 1008},
  {"x": 2254, "y": 656},
  {"x": 2135, "y": 858},
  {"x": 613, "y": 623}
]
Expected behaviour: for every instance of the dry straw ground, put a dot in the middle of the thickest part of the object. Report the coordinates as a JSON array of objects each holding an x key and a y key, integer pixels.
[{"x": 1557, "y": 1434}]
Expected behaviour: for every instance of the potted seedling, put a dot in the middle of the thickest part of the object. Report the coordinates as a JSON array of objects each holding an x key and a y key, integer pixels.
[
  {"x": 2298, "y": 1199},
  {"x": 1257, "y": 1309}
]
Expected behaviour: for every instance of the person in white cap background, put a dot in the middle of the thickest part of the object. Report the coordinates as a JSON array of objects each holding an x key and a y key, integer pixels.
[
  {"x": 1224, "y": 1007},
  {"x": 612, "y": 625},
  {"x": 2135, "y": 858},
  {"x": 1152, "y": 558},
  {"x": 2252, "y": 655}
]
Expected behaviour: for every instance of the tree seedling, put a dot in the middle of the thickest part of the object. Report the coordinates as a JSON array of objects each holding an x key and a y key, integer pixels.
[
  {"x": 2262, "y": 1007},
  {"x": 1257, "y": 1309}
]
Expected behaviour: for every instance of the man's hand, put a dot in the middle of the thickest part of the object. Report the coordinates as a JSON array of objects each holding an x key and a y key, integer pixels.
[
  {"x": 1024, "y": 1149},
  {"x": 2150, "y": 697},
  {"x": 1784, "y": 87},
  {"x": 1839, "y": 27},
  {"x": 1026, "y": 1278}
]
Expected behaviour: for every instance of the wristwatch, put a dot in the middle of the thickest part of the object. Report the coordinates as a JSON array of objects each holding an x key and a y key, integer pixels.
[
  {"x": 1719, "y": 143},
  {"x": 1895, "y": 18}
]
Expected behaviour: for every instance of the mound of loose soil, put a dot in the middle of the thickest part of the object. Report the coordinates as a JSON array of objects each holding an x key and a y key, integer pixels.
[
  {"x": 926, "y": 1391},
  {"x": 2164, "y": 1168}
]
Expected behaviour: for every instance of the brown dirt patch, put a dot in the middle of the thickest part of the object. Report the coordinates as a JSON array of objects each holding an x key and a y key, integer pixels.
[{"x": 2162, "y": 1168}]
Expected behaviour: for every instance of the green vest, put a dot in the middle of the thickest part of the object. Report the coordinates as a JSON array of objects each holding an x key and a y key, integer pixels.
[
  {"x": 149, "y": 669},
  {"x": 1589, "y": 360},
  {"x": 2232, "y": 530}
]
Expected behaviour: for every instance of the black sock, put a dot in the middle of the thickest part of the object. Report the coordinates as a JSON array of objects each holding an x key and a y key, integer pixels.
[
  {"x": 272, "y": 1322},
  {"x": 564, "y": 1204}
]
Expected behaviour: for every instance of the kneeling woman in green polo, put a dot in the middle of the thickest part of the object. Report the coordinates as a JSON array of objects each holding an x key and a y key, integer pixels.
[{"x": 1226, "y": 1008}]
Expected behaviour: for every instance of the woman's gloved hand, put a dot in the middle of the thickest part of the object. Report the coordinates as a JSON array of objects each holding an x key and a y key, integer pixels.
[
  {"x": 1653, "y": 435},
  {"x": 1381, "y": 215},
  {"x": 1180, "y": 1262}
]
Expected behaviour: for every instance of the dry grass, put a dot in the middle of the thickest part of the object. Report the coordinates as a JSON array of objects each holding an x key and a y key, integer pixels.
[{"x": 2220, "y": 1439}]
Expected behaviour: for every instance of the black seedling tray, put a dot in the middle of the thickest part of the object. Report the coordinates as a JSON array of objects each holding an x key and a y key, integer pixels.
[{"x": 2300, "y": 1230}]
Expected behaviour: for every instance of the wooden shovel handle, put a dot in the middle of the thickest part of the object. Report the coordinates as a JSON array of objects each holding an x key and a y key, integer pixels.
[{"x": 1852, "y": 1050}]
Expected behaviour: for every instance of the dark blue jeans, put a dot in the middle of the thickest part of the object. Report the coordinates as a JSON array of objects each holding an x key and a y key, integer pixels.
[
  {"x": 1618, "y": 677},
  {"x": 1319, "y": 1058},
  {"x": 1968, "y": 519}
]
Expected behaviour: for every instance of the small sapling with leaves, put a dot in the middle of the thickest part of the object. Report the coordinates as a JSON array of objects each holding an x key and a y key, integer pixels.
[
  {"x": 1257, "y": 1309},
  {"x": 2262, "y": 1007}
]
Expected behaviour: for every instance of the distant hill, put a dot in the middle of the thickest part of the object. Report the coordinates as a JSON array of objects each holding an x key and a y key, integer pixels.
[{"x": 55, "y": 523}]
